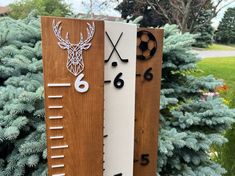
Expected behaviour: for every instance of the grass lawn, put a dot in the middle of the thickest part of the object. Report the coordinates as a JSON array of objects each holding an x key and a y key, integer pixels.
[
  {"x": 220, "y": 47},
  {"x": 221, "y": 68}
]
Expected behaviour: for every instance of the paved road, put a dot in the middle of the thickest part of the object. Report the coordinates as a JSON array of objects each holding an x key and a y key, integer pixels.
[{"x": 207, "y": 54}]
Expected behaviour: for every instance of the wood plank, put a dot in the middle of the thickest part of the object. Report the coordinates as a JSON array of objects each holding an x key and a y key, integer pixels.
[
  {"x": 148, "y": 80},
  {"x": 77, "y": 148},
  {"x": 119, "y": 98}
]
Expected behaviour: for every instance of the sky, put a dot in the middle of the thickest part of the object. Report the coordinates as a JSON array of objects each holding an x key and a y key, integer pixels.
[{"x": 78, "y": 7}]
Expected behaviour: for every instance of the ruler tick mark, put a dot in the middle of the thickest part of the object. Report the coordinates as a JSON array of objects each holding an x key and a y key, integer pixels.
[
  {"x": 57, "y": 156},
  {"x": 55, "y": 107},
  {"x": 59, "y": 85},
  {"x": 59, "y": 147},
  {"x": 55, "y": 96},
  {"x": 107, "y": 81},
  {"x": 57, "y": 166},
  {"x": 58, "y": 174},
  {"x": 55, "y": 117},
  {"x": 56, "y": 137},
  {"x": 56, "y": 128}
]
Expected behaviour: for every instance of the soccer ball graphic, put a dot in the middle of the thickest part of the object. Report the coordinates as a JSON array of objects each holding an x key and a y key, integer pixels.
[{"x": 146, "y": 45}]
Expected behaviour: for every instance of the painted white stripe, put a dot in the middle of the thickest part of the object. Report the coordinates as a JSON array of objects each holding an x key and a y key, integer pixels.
[
  {"x": 55, "y": 107},
  {"x": 56, "y": 137},
  {"x": 58, "y": 174},
  {"x": 55, "y": 117},
  {"x": 56, "y": 128},
  {"x": 59, "y": 147},
  {"x": 55, "y": 96},
  {"x": 57, "y": 157},
  {"x": 59, "y": 85},
  {"x": 57, "y": 166}
]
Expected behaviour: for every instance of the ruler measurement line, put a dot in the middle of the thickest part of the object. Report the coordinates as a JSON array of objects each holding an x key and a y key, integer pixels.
[
  {"x": 57, "y": 166},
  {"x": 56, "y": 137},
  {"x": 63, "y": 174},
  {"x": 59, "y": 147},
  {"x": 55, "y": 117},
  {"x": 107, "y": 81},
  {"x": 56, "y": 128},
  {"x": 57, "y": 156},
  {"x": 55, "y": 96},
  {"x": 59, "y": 85},
  {"x": 55, "y": 107}
]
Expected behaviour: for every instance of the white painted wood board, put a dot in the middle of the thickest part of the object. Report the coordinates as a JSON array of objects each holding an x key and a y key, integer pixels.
[{"x": 119, "y": 105}]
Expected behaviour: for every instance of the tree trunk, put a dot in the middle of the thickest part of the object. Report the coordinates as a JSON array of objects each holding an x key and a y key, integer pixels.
[{"x": 187, "y": 9}]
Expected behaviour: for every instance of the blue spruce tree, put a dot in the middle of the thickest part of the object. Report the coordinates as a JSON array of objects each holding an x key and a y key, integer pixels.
[
  {"x": 190, "y": 121},
  {"x": 22, "y": 129}
]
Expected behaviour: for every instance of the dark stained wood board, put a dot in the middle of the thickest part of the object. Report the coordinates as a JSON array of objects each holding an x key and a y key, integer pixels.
[
  {"x": 80, "y": 151},
  {"x": 148, "y": 80}
]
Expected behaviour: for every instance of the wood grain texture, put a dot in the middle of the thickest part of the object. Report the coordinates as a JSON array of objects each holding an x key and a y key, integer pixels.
[
  {"x": 147, "y": 110},
  {"x": 82, "y": 112}
]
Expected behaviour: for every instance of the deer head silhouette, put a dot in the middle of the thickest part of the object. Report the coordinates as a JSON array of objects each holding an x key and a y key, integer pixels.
[{"x": 75, "y": 63}]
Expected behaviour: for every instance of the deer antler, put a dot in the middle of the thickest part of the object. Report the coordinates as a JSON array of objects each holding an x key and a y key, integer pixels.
[
  {"x": 63, "y": 43},
  {"x": 90, "y": 33}
]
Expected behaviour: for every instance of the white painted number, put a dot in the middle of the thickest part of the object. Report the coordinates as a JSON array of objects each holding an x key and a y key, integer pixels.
[{"x": 81, "y": 86}]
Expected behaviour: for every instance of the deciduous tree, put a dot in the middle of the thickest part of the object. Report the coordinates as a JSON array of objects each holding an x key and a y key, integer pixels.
[
  {"x": 99, "y": 6},
  {"x": 184, "y": 13},
  {"x": 21, "y": 8}
]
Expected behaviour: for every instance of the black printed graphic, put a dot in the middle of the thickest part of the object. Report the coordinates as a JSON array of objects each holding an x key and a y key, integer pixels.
[
  {"x": 148, "y": 75},
  {"x": 145, "y": 159},
  {"x": 118, "y": 81},
  {"x": 114, "y": 64},
  {"x": 147, "y": 45}
]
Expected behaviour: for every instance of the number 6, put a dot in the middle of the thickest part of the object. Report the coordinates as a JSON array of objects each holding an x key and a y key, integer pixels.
[
  {"x": 118, "y": 82},
  {"x": 148, "y": 75},
  {"x": 81, "y": 86}
]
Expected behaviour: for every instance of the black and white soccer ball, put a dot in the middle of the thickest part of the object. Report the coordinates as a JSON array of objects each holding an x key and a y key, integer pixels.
[{"x": 146, "y": 45}]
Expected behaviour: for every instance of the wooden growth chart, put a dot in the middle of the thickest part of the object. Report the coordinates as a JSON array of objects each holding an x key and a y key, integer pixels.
[
  {"x": 148, "y": 81},
  {"x": 73, "y": 61},
  {"x": 120, "y": 67}
]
